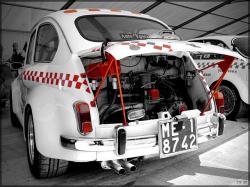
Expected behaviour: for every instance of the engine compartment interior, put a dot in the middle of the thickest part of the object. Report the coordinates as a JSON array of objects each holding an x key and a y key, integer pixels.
[{"x": 150, "y": 84}]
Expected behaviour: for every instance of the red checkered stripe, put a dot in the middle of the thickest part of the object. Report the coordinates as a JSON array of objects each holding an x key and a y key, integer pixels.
[
  {"x": 148, "y": 44},
  {"x": 204, "y": 82},
  {"x": 95, "y": 49},
  {"x": 56, "y": 79}
]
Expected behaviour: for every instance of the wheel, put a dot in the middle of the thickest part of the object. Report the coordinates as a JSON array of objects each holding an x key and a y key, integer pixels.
[
  {"x": 244, "y": 110},
  {"x": 41, "y": 166},
  {"x": 232, "y": 100},
  {"x": 14, "y": 120}
]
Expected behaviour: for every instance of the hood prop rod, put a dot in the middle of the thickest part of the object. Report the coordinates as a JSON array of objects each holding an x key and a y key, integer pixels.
[
  {"x": 224, "y": 66},
  {"x": 110, "y": 62},
  {"x": 121, "y": 96}
]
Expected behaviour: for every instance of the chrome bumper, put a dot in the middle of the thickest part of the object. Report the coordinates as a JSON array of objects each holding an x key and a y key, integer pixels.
[
  {"x": 85, "y": 144},
  {"x": 205, "y": 132}
]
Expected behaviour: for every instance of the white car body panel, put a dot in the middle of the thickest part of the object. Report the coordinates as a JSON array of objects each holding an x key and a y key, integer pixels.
[
  {"x": 237, "y": 74},
  {"x": 52, "y": 89}
]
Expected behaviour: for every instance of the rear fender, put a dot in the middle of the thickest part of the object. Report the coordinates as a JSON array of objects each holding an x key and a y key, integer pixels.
[
  {"x": 16, "y": 99},
  {"x": 53, "y": 116}
]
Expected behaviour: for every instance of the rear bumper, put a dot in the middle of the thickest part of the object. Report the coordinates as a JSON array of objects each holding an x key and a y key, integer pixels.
[{"x": 103, "y": 149}]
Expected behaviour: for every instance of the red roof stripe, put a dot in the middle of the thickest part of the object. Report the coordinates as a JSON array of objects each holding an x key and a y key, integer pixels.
[
  {"x": 69, "y": 11},
  {"x": 115, "y": 10},
  {"x": 93, "y": 9}
]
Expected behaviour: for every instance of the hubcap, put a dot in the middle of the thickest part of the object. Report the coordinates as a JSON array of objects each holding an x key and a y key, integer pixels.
[
  {"x": 229, "y": 99},
  {"x": 31, "y": 140}
]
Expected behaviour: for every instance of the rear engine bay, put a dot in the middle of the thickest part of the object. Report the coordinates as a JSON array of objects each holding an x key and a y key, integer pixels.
[{"x": 150, "y": 84}]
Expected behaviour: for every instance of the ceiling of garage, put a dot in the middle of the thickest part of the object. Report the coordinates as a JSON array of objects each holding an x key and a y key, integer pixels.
[{"x": 189, "y": 19}]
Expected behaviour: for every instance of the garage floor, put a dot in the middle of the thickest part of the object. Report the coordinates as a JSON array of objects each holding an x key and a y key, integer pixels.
[{"x": 223, "y": 161}]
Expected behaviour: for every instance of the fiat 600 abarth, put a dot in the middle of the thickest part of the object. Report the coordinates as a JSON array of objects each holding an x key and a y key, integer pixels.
[{"x": 110, "y": 86}]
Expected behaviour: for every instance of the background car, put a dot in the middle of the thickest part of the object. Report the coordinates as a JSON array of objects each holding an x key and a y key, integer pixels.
[{"x": 235, "y": 84}]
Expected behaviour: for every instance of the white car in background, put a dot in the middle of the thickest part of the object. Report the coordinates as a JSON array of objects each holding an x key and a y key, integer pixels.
[
  {"x": 107, "y": 85},
  {"x": 235, "y": 86}
]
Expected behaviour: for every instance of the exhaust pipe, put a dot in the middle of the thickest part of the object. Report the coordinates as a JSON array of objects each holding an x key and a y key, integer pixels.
[
  {"x": 105, "y": 165},
  {"x": 113, "y": 164},
  {"x": 130, "y": 167},
  {"x": 118, "y": 166}
]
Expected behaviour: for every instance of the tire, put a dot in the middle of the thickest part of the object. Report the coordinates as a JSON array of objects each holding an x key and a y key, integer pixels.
[
  {"x": 14, "y": 120},
  {"x": 244, "y": 110},
  {"x": 41, "y": 166},
  {"x": 232, "y": 100}
]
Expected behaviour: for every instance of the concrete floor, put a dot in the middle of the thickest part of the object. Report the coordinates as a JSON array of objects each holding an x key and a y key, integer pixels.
[{"x": 223, "y": 161}]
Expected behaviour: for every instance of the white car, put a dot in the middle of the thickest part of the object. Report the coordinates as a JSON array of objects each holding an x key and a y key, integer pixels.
[
  {"x": 107, "y": 85},
  {"x": 235, "y": 84}
]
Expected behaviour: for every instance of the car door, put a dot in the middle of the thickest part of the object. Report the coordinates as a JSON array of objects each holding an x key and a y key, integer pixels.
[
  {"x": 41, "y": 52},
  {"x": 42, "y": 57}
]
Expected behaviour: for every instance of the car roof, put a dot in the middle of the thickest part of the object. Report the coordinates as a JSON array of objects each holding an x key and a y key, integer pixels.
[
  {"x": 75, "y": 13},
  {"x": 66, "y": 20},
  {"x": 94, "y": 11}
]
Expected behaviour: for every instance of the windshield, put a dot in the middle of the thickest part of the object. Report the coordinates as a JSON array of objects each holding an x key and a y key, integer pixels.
[
  {"x": 100, "y": 28},
  {"x": 241, "y": 46}
]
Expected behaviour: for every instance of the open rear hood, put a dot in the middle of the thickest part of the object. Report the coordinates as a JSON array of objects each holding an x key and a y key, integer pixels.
[{"x": 120, "y": 50}]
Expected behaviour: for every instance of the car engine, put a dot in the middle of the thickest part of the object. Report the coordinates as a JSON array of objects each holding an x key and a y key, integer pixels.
[{"x": 150, "y": 85}]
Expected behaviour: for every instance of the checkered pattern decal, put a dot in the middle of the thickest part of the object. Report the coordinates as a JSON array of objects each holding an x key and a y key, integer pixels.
[
  {"x": 241, "y": 65},
  {"x": 56, "y": 79},
  {"x": 140, "y": 44},
  {"x": 96, "y": 49},
  {"x": 236, "y": 65},
  {"x": 202, "y": 65},
  {"x": 153, "y": 44}
]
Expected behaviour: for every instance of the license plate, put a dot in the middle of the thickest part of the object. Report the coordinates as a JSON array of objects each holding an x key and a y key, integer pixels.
[{"x": 177, "y": 137}]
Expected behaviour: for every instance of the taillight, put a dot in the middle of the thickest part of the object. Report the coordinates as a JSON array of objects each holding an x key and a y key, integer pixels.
[
  {"x": 154, "y": 94},
  {"x": 83, "y": 114},
  {"x": 182, "y": 107},
  {"x": 219, "y": 99}
]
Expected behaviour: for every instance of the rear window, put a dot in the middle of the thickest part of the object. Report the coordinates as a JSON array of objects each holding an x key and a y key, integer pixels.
[{"x": 102, "y": 28}]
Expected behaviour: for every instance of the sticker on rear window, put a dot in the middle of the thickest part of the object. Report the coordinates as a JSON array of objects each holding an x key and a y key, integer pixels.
[{"x": 133, "y": 36}]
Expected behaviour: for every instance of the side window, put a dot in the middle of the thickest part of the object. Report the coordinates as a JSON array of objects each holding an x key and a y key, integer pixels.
[
  {"x": 218, "y": 43},
  {"x": 200, "y": 41},
  {"x": 197, "y": 56},
  {"x": 46, "y": 43},
  {"x": 31, "y": 48}
]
